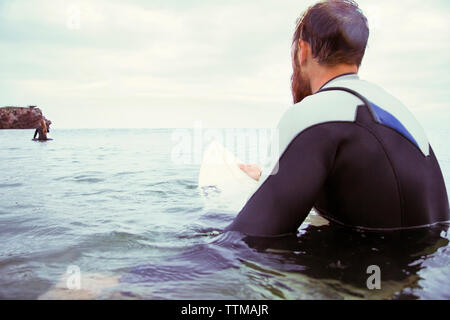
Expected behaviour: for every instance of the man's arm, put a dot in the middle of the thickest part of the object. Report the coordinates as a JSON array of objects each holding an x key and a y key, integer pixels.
[{"x": 284, "y": 199}]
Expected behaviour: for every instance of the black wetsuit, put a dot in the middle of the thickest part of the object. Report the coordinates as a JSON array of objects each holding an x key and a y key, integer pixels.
[
  {"x": 40, "y": 133},
  {"x": 356, "y": 155}
]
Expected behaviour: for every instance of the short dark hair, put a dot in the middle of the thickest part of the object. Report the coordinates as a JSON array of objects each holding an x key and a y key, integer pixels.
[{"x": 336, "y": 30}]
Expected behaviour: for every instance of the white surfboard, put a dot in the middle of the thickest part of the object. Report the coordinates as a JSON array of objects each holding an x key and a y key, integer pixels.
[{"x": 221, "y": 180}]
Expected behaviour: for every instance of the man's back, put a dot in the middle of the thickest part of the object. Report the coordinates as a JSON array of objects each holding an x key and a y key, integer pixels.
[
  {"x": 385, "y": 173},
  {"x": 356, "y": 154}
]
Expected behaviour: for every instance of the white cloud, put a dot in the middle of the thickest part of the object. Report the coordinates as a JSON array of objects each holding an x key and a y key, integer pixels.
[{"x": 226, "y": 63}]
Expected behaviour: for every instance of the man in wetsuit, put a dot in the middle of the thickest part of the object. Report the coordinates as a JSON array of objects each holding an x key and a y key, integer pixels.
[
  {"x": 41, "y": 131},
  {"x": 347, "y": 147}
]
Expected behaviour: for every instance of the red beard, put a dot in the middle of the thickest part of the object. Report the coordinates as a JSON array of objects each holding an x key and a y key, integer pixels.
[{"x": 299, "y": 85}]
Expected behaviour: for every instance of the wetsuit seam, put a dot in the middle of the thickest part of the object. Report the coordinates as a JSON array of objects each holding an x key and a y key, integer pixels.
[
  {"x": 325, "y": 214},
  {"x": 401, "y": 134},
  {"x": 305, "y": 129},
  {"x": 333, "y": 169},
  {"x": 400, "y": 194}
]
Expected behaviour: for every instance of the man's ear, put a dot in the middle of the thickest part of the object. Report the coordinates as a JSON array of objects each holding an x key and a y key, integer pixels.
[{"x": 304, "y": 50}]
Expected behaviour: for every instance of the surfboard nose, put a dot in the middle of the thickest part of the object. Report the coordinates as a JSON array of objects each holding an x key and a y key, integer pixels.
[{"x": 220, "y": 170}]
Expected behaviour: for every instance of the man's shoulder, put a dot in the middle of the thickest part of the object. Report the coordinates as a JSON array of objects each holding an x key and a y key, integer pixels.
[
  {"x": 389, "y": 104},
  {"x": 321, "y": 107}
]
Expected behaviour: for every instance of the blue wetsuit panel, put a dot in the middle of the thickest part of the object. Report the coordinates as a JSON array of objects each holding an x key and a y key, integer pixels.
[{"x": 389, "y": 120}]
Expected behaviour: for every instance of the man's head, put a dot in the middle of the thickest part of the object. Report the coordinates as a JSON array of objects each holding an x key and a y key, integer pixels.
[{"x": 330, "y": 36}]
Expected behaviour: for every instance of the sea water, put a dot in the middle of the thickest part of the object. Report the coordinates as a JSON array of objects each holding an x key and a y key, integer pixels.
[{"x": 107, "y": 213}]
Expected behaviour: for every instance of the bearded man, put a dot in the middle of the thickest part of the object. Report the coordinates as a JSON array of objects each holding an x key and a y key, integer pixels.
[{"x": 347, "y": 147}]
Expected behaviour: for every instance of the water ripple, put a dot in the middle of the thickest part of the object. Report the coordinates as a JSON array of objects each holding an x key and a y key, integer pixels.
[
  {"x": 87, "y": 179},
  {"x": 10, "y": 185},
  {"x": 200, "y": 260}
]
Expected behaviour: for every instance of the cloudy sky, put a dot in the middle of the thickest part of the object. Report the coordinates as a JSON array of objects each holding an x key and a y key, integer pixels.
[{"x": 167, "y": 63}]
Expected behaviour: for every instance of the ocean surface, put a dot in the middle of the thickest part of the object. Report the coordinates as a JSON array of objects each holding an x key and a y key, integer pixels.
[{"x": 108, "y": 214}]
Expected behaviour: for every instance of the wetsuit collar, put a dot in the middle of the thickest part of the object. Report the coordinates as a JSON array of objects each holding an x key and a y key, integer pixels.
[{"x": 345, "y": 76}]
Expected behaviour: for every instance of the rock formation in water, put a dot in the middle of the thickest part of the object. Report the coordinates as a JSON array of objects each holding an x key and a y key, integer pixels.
[{"x": 21, "y": 118}]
